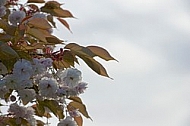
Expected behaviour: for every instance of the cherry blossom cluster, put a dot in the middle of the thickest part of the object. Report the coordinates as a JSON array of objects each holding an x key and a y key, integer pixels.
[{"x": 51, "y": 84}]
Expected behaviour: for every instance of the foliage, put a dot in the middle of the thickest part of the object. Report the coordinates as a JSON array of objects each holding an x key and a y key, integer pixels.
[{"x": 34, "y": 78}]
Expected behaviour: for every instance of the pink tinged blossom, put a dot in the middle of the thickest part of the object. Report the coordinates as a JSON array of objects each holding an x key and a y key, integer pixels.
[
  {"x": 48, "y": 87},
  {"x": 61, "y": 92},
  {"x": 2, "y": 11},
  {"x": 68, "y": 121},
  {"x": 16, "y": 17},
  {"x": 23, "y": 69},
  {"x": 74, "y": 113},
  {"x": 81, "y": 87},
  {"x": 47, "y": 62}
]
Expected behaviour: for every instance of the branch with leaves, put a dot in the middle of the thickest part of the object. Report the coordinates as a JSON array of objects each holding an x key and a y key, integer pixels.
[{"x": 35, "y": 79}]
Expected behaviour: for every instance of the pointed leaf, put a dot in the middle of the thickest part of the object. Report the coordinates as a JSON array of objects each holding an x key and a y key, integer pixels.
[
  {"x": 87, "y": 56},
  {"x": 62, "y": 13},
  {"x": 35, "y": 1},
  {"x": 8, "y": 56},
  {"x": 54, "y": 107},
  {"x": 81, "y": 107},
  {"x": 37, "y": 33},
  {"x": 79, "y": 50},
  {"x": 76, "y": 99},
  {"x": 78, "y": 120},
  {"x": 40, "y": 23},
  {"x": 52, "y": 4},
  {"x": 59, "y": 12},
  {"x": 40, "y": 123},
  {"x": 101, "y": 52},
  {"x": 95, "y": 66},
  {"x": 53, "y": 40},
  {"x": 64, "y": 23},
  {"x": 50, "y": 19}
]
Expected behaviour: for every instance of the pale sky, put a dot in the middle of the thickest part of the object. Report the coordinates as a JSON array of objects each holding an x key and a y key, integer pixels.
[{"x": 151, "y": 40}]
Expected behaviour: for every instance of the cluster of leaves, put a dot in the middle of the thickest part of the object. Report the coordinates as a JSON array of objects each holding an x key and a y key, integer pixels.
[{"x": 32, "y": 34}]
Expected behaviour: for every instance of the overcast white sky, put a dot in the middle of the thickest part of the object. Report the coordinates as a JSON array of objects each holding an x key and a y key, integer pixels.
[{"x": 151, "y": 40}]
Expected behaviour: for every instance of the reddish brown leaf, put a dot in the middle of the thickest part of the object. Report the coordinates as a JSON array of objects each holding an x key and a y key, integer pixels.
[
  {"x": 40, "y": 23},
  {"x": 101, "y": 52},
  {"x": 64, "y": 23},
  {"x": 35, "y": 1},
  {"x": 78, "y": 120},
  {"x": 81, "y": 107}
]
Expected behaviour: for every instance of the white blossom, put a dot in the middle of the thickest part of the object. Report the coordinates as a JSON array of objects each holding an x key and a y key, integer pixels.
[
  {"x": 22, "y": 84},
  {"x": 38, "y": 67},
  {"x": 16, "y": 17},
  {"x": 39, "y": 15},
  {"x": 23, "y": 112},
  {"x": 3, "y": 2},
  {"x": 2, "y": 11},
  {"x": 17, "y": 111},
  {"x": 11, "y": 81},
  {"x": 61, "y": 91},
  {"x": 47, "y": 62},
  {"x": 67, "y": 122},
  {"x": 70, "y": 77},
  {"x": 48, "y": 87},
  {"x": 81, "y": 87},
  {"x": 23, "y": 69},
  {"x": 27, "y": 95}
]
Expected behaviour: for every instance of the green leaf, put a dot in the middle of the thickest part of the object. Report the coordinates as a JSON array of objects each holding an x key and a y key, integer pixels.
[
  {"x": 76, "y": 99},
  {"x": 6, "y": 52},
  {"x": 5, "y": 37},
  {"x": 40, "y": 23},
  {"x": 81, "y": 107},
  {"x": 14, "y": 122},
  {"x": 101, "y": 52},
  {"x": 8, "y": 56},
  {"x": 50, "y": 19},
  {"x": 6, "y": 96},
  {"x": 3, "y": 24},
  {"x": 39, "y": 109},
  {"x": 35, "y": 1},
  {"x": 24, "y": 55},
  {"x": 54, "y": 107},
  {"x": 40, "y": 123}
]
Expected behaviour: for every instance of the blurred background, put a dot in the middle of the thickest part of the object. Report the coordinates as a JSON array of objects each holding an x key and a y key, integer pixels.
[{"x": 151, "y": 41}]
